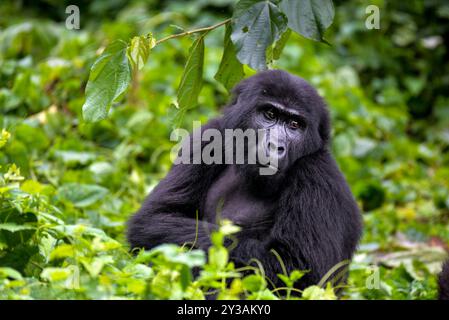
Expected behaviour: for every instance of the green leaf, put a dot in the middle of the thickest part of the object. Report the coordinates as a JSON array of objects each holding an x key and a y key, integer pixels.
[
  {"x": 218, "y": 257},
  {"x": 265, "y": 294},
  {"x": 280, "y": 44},
  {"x": 230, "y": 71},
  {"x": 4, "y": 136},
  {"x": 309, "y": 18},
  {"x": 139, "y": 50},
  {"x": 12, "y": 227},
  {"x": 254, "y": 283},
  {"x": 186, "y": 277},
  {"x": 296, "y": 275},
  {"x": 192, "y": 78},
  {"x": 317, "y": 293},
  {"x": 75, "y": 157},
  {"x": 63, "y": 251},
  {"x": 7, "y": 272},
  {"x": 109, "y": 77},
  {"x": 255, "y": 26},
  {"x": 274, "y": 51},
  {"x": 175, "y": 254},
  {"x": 82, "y": 195},
  {"x": 227, "y": 227},
  {"x": 32, "y": 187},
  {"x": 95, "y": 265}
]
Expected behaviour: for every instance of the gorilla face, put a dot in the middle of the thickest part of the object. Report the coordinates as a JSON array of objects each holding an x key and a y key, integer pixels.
[
  {"x": 288, "y": 109},
  {"x": 284, "y": 131}
]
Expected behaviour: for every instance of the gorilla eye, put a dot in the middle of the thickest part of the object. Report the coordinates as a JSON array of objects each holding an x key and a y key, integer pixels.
[
  {"x": 295, "y": 125},
  {"x": 269, "y": 114}
]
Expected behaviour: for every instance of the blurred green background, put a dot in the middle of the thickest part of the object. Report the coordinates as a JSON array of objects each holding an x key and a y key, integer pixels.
[{"x": 388, "y": 92}]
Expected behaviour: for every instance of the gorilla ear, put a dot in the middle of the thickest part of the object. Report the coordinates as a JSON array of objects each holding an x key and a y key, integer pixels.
[{"x": 324, "y": 126}]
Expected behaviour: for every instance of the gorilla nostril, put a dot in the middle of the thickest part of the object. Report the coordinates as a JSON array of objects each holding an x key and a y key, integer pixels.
[{"x": 273, "y": 147}]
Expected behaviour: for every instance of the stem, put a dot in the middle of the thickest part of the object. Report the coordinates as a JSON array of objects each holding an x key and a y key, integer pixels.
[
  {"x": 134, "y": 86},
  {"x": 182, "y": 34}
]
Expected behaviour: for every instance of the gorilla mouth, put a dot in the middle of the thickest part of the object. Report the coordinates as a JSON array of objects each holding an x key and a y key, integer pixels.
[{"x": 268, "y": 166}]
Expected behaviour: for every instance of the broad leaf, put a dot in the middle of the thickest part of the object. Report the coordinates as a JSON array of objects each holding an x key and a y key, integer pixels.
[
  {"x": 139, "y": 50},
  {"x": 109, "y": 78},
  {"x": 255, "y": 26},
  {"x": 192, "y": 78},
  {"x": 309, "y": 18},
  {"x": 81, "y": 195},
  {"x": 230, "y": 71}
]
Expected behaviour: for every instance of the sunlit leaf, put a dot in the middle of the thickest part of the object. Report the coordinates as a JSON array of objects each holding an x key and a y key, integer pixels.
[
  {"x": 109, "y": 77},
  {"x": 12, "y": 227},
  {"x": 139, "y": 50}
]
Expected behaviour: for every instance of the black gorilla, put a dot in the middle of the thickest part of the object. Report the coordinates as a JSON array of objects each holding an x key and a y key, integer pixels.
[{"x": 305, "y": 211}]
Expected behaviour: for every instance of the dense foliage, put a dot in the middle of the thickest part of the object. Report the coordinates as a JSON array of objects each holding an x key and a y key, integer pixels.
[{"x": 68, "y": 186}]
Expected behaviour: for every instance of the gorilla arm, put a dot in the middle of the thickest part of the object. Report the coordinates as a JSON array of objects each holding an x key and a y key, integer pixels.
[
  {"x": 316, "y": 224},
  {"x": 168, "y": 215}
]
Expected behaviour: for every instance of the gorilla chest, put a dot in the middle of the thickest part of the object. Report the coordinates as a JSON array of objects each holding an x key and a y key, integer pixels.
[{"x": 229, "y": 198}]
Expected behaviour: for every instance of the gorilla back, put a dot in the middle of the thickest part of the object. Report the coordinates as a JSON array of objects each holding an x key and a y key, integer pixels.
[{"x": 304, "y": 211}]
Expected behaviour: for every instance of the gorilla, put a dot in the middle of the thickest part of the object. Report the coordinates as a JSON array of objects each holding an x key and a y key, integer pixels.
[
  {"x": 304, "y": 212},
  {"x": 443, "y": 282}
]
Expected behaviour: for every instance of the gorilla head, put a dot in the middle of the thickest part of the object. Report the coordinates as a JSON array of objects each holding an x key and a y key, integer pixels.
[{"x": 285, "y": 107}]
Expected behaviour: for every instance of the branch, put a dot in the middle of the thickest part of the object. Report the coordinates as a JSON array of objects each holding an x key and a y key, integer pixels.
[{"x": 182, "y": 34}]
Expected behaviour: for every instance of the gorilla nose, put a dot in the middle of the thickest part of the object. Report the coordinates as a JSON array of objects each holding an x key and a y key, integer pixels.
[{"x": 279, "y": 148}]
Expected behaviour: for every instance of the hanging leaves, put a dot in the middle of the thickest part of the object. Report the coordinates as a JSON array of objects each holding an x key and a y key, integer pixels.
[
  {"x": 230, "y": 71},
  {"x": 109, "y": 78},
  {"x": 255, "y": 26},
  {"x": 309, "y": 18}
]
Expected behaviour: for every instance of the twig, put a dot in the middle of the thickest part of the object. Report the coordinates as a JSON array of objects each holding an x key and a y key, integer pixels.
[{"x": 182, "y": 34}]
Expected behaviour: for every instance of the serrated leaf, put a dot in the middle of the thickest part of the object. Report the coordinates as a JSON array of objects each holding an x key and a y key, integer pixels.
[
  {"x": 139, "y": 50},
  {"x": 255, "y": 26},
  {"x": 192, "y": 78},
  {"x": 309, "y": 18},
  {"x": 230, "y": 71},
  {"x": 109, "y": 77}
]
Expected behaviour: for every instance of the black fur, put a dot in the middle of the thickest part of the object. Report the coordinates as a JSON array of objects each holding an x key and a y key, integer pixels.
[
  {"x": 313, "y": 221},
  {"x": 443, "y": 282}
]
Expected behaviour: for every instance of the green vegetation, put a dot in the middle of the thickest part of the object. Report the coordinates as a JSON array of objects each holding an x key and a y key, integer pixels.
[{"x": 68, "y": 186}]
